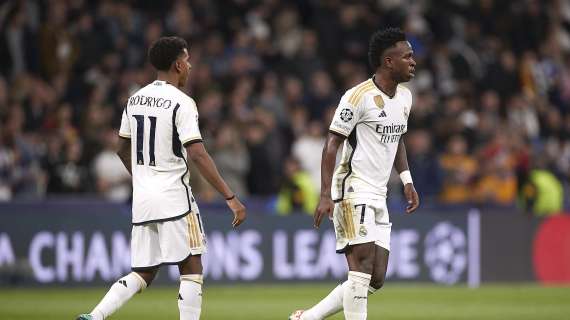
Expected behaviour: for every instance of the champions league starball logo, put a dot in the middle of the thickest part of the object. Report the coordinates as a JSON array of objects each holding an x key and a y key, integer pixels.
[
  {"x": 446, "y": 253},
  {"x": 346, "y": 115}
]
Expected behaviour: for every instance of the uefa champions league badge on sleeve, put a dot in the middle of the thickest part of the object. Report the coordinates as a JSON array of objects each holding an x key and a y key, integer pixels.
[{"x": 346, "y": 115}]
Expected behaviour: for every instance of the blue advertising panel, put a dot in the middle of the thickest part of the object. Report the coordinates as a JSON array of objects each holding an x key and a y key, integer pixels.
[{"x": 89, "y": 244}]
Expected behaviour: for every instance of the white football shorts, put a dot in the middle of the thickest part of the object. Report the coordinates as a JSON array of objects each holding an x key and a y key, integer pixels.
[
  {"x": 167, "y": 242},
  {"x": 361, "y": 220}
]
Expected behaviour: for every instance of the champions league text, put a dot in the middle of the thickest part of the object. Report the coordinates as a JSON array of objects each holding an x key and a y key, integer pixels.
[{"x": 249, "y": 255}]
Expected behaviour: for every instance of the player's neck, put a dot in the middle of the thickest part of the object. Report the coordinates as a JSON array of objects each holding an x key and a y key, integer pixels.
[
  {"x": 168, "y": 78},
  {"x": 385, "y": 83}
]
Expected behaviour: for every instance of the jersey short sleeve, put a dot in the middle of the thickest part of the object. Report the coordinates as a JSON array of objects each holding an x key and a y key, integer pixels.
[
  {"x": 345, "y": 117},
  {"x": 187, "y": 123},
  {"x": 125, "y": 130}
]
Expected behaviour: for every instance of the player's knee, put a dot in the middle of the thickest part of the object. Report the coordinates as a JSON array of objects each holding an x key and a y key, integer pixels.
[
  {"x": 148, "y": 280},
  {"x": 361, "y": 258},
  {"x": 191, "y": 265},
  {"x": 147, "y": 276},
  {"x": 377, "y": 283},
  {"x": 366, "y": 265}
]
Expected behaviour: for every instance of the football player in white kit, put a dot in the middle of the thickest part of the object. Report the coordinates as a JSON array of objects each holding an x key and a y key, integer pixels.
[
  {"x": 369, "y": 121},
  {"x": 160, "y": 132}
]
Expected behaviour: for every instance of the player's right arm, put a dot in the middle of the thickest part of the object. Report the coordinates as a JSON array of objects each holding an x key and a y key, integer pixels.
[
  {"x": 328, "y": 160},
  {"x": 124, "y": 150},
  {"x": 344, "y": 120},
  {"x": 200, "y": 157},
  {"x": 124, "y": 153}
]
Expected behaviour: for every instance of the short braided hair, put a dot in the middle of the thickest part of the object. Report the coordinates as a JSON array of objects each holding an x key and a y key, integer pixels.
[{"x": 380, "y": 41}]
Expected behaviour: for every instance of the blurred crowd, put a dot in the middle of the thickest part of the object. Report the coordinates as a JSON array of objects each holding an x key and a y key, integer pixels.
[{"x": 490, "y": 122}]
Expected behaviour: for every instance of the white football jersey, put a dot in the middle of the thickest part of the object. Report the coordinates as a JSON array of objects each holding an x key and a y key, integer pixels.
[
  {"x": 160, "y": 120},
  {"x": 373, "y": 123}
]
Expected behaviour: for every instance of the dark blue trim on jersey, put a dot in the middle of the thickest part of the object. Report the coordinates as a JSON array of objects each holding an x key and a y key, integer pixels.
[
  {"x": 352, "y": 141},
  {"x": 161, "y": 220},
  {"x": 177, "y": 150},
  {"x": 198, "y": 216},
  {"x": 185, "y": 186},
  {"x": 343, "y": 250},
  {"x": 160, "y": 264},
  {"x": 176, "y": 144},
  {"x": 199, "y": 222},
  {"x": 338, "y": 134},
  {"x": 192, "y": 142}
]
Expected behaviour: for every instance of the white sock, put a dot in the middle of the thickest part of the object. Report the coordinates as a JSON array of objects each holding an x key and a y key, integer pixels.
[
  {"x": 355, "y": 296},
  {"x": 330, "y": 305},
  {"x": 190, "y": 296},
  {"x": 371, "y": 290},
  {"x": 120, "y": 292}
]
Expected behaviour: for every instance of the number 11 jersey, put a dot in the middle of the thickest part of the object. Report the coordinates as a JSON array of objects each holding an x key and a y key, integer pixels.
[{"x": 160, "y": 120}]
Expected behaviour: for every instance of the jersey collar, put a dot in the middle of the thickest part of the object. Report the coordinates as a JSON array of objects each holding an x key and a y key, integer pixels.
[{"x": 384, "y": 93}]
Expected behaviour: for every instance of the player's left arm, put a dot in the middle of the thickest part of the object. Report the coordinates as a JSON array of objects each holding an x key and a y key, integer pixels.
[
  {"x": 401, "y": 165},
  {"x": 203, "y": 161},
  {"x": 124, "y": 153},
  {"x": 186, "y": 120}
]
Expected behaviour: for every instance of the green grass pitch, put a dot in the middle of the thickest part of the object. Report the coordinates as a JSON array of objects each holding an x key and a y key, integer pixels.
[{"x": 262, "y": 302}]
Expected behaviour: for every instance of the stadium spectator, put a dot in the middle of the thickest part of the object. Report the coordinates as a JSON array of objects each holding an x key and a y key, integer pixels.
[
  {"x": 262, "y": 175},
  {"x": 459, "y": 171},
  {"x": 19, "y": 161},
  {"x": 18, "y": 40},
  {"x": 231, "y": 157},
  {"x": 112, "y": 179},
  {"x": 271, "y": 99},
  {"x": 497, "y": 182},
  {"x": 541, "y": 192},
  {"x": 305, "y": 150},
  {"x": 320, "y": 95},
  {"x": 297, "y": 192},
  {"x": 270, "y": 67},
  {"x": 424, "y": 164}
]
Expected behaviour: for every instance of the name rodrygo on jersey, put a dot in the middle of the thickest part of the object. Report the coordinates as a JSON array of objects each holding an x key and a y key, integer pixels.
[{"x": 160, "y": 120}]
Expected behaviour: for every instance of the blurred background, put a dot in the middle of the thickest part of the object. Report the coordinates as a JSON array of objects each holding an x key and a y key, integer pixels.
[
  {"x": 490, "y": 121},
  {"x": 488, "y": 141}
]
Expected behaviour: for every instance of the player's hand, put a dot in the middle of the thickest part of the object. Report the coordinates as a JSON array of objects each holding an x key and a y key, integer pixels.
[
  {"x": 238, "y": 209},
  {"x": 325, "y": 207},
  {"x": 412, "y": 197}
]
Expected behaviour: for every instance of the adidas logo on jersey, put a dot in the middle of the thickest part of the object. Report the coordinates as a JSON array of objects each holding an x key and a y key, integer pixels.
[
  {"x": 123, "y": 282},
  {"x": 382, "y": 114}
]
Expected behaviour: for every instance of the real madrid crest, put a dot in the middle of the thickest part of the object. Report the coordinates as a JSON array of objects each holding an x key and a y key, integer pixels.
[
  {"x": 379, "y": 101},
  {"x": 362, "y": 232}
]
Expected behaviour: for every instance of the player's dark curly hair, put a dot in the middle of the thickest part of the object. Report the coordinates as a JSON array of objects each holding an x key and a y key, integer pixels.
[
  {"x": 165, "y": 51},
  {"x": 382, "y": 40}
]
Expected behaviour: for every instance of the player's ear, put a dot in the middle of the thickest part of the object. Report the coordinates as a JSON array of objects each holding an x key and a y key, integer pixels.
[
  {"x": 177, "y": 66},
  {"x": 388, "y": 61}
]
